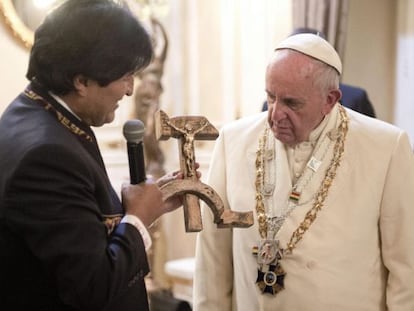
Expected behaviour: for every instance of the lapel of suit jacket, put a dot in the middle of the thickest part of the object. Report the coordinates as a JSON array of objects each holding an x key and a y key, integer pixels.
[{"x": 79, "y": 129}]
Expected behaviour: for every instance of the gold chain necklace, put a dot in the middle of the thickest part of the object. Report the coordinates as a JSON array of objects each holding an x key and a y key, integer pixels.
[
  {"x": 270, "y": 273},
  {"x": 260, "y": 207}
]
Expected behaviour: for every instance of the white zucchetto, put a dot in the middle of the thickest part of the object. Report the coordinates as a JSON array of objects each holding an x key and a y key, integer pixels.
[{"x": 314, "y": 46}]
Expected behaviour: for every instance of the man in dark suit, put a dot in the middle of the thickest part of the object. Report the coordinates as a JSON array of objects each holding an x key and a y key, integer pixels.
[
  {"x": 67, "y": 242},
  {"x": 356, "y": 99},
  {"x": 353, "y": 97}
]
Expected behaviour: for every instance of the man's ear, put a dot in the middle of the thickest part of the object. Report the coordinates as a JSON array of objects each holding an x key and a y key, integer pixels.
[
  {"x": 333, "y": 97},
  {"x": 80, "y": 82}
]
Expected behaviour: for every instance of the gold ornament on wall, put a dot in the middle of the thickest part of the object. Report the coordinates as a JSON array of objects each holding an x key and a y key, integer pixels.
[
  {"x": 22, "y": 17},
  {"x": 22, "y": 33}
]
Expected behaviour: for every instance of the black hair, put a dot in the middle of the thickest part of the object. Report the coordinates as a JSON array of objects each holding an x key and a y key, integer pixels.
[{"x": 99, "y": 39}]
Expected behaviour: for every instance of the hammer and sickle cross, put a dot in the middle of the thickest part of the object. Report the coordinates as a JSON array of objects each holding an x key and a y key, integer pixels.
[{"x": 187, "y": 129}]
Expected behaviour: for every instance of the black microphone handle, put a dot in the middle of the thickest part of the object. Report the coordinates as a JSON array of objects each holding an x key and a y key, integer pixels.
[{"x": 136, "y": 162}]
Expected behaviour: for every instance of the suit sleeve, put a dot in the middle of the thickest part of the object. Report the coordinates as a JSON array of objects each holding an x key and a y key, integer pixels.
[
  {"x": 52, "y": 204},
  {"x": 213, "y": 280},
  {"x": 396, "y": 227}
]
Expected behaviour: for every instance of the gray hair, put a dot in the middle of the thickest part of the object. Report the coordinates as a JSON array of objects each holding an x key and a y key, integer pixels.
[{"x": 326, "y": 77}]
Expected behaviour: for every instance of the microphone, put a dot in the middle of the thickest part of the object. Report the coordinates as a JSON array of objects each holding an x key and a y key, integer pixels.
[{"x": 133, "y": 131}]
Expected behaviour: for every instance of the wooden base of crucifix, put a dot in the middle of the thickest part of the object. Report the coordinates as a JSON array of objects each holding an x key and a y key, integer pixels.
[{"x": 187, "y": 129}]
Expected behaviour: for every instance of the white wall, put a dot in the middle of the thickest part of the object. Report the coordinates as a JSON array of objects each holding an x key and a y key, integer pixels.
[
  {"x": 404, "y": 82},
  {"x": 369, "y": 60},
  {"x": 218, "y": 53},
  {"x": 13, "y": 64}
]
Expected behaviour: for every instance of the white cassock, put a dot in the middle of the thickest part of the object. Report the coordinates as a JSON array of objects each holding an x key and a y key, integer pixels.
[{"x": 358, "y": 254}]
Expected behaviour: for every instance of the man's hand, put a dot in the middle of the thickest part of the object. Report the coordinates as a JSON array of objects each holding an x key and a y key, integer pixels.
[{"x": 145, "y": 199}]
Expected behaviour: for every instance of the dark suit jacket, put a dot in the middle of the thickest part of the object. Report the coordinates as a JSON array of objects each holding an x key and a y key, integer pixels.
[
  {"x": 57, "y": 211},
  {"x": 354, "y": 98}
]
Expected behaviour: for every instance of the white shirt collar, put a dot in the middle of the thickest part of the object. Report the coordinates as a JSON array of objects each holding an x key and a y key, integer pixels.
[{"x": 62, "y": 103}]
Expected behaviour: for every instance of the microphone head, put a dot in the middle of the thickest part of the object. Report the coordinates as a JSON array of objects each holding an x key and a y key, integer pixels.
[{"x": 134, "y": 131}]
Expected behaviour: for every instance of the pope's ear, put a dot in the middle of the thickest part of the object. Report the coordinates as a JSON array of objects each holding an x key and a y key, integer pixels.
[
  {"x": 333, "y": 97},
  {"x": 80, "y": 82}
]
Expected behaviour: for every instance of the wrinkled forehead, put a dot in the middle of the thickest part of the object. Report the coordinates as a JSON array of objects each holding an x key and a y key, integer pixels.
[{"x": 293, "y": 74}]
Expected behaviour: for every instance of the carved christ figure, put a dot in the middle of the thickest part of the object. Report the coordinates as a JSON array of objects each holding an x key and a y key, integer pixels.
[{"x": 189, "y": 133}]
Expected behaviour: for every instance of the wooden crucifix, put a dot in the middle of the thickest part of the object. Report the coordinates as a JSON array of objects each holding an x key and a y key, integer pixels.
[{"x": 187, "y": 129}]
